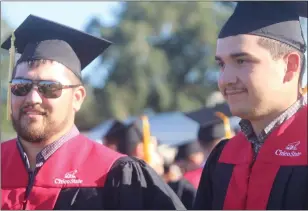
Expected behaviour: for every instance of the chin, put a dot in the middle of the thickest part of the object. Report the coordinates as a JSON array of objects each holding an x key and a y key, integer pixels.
[
  {"x": 30, "y": 131},
  {"x": 33, "y": 136},
  {"x": 240, "y": 111}
]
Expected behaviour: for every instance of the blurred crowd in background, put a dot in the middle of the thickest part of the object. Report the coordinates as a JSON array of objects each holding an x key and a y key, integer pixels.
[{"x": 177, "y": 159}]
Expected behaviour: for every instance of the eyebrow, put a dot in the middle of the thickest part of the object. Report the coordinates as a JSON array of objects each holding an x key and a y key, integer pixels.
[
  {"x": 237, "y": 55},
  {"x": 20, "y": 77}
]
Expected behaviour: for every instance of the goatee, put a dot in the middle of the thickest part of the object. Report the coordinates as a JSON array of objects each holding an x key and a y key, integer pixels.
[{"x": 28, "y": 131}]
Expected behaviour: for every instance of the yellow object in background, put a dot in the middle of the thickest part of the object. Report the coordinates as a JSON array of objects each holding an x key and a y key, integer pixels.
[
  {"x": 227, "y": 126},
  {"x": 146, "y": 138},
  {"x": 11, "y": 67}
]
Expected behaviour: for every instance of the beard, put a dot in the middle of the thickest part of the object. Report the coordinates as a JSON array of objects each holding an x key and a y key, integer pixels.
[{"x": 36, "y": 131}]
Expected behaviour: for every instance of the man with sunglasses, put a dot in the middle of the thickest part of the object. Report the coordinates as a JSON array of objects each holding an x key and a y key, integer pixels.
[{"x": 50, "y": 165}]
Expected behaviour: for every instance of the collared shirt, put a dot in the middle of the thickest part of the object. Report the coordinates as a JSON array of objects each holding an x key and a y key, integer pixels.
[
  {"x": 257, "y": 141},
  {"x": 48, "y": 150}
]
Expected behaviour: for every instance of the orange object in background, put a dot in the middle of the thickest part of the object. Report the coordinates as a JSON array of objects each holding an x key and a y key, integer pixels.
[{"x": 146, "y": 138}]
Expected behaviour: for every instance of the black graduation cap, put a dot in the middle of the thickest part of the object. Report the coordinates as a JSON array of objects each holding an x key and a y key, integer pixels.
[
  {"x": 207, "y": 115},
  {"x": 278, "y": 20},
  {"x": 211, "y": 131},
  {"x": 187, "y": 149},
  {"x": 132, "y": 137},
  {"x": 116, "y": 131},
  {"x": 214, "y": 122},
  {"x": 38, "y": 38}
]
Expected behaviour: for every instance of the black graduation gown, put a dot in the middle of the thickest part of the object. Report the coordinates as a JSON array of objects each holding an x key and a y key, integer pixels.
[
  {"x": 276, "y": 179},
  {"x": 130, "y": 185},
  {"x": 289, "y": 189},
  {"x": 185, "y": 191},
  {"x": 83, "y": 175}
]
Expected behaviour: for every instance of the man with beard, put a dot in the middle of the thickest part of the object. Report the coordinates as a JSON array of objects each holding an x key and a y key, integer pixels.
[
  {"x": 260, "y": 51},
  {"x": 50, "y": 165}
]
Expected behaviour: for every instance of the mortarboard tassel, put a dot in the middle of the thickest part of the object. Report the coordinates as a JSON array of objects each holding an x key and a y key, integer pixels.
[
  {"x": 146, "y": 138},
  {"x": 226, "y": 122},
  {"x": 11, "y": 67}
]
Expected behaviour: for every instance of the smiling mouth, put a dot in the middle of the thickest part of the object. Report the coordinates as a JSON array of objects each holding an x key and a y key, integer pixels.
[
  {"x": 234, "y": 92},
  {"x": 33, "y": 113}
]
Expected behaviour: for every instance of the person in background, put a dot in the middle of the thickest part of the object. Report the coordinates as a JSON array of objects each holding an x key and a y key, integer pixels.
[
  {"x": 132, "y": 145},
  {"x": 50, "y": 165},
  {"x": 189, "y": 156},
  {"x": 114, "y": 135},
  {"x": 260, "y": 52},
  {"x": 209, "y": 136},
  {"x": 174, "y": 177}
]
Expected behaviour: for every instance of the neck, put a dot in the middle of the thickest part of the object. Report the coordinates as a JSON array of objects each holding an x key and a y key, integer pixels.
[
  {"x": 209, "y": 147},
  {"x": 262, "y": 122},
  {"x": 32, "y": 149}
]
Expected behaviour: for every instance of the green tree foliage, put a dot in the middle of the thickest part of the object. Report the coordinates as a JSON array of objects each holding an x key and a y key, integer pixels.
[
  {"x": 160, "y": 55},
  {"x": 6, "y": 126}
]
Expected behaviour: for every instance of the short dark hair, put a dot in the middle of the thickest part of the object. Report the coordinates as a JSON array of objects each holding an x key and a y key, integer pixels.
[{"x": 279, "y": 49}]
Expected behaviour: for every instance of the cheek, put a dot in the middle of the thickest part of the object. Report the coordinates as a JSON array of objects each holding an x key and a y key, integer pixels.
[
  {"x": 262, "y": 83},
  {"x": 220, "y": 83},
  {"x": 62, "y": 107},
  {"x": 16, "y": 104},
  {"x": 252, "y": 76}
]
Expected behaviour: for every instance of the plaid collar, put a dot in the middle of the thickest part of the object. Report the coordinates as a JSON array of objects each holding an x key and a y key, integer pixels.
[
  {"x": 48, "y": 150},
  {"x": 247, "y": 129}
]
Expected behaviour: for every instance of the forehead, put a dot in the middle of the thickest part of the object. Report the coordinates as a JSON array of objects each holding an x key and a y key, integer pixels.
[
  {"x": 240, "y": 44},
  {"x": 42, "y": 71}
]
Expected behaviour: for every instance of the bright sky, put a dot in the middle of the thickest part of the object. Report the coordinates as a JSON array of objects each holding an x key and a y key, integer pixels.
[{"x": 74, "y": 14}]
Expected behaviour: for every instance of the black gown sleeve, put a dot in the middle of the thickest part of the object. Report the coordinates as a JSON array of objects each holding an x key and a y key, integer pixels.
[
  {"x": 132, "y": 185},
  {"x": 185, "y": 191},
  {"x": 204, "y": 197}
]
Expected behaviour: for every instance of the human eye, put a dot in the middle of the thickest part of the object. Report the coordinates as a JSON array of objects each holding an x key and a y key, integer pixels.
[
  {"x": 220, "y": 64},
  {"x": 241, "y": 61}
]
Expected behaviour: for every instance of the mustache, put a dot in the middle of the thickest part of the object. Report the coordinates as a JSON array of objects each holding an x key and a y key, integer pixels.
[{"x": 32, "y": 108}]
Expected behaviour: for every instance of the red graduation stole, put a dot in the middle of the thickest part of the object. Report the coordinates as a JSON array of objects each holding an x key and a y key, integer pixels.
[
  {"x": 75, "y": 164},
  {"x": 250, "y": 187}
]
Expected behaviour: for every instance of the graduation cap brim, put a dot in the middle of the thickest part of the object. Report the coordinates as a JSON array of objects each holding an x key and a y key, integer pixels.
[
  {"x": 116, "y": 125},
  {"x": 214, "y": 122},
  {"x": 300, "y": 7},
  {"x": 36, "y": 29},
  {"x": 276, "y": 20},
  {"x": 208, "y": 116},
  {"x": 133, "y": 135},
  {"x": 116, "y": 131}
]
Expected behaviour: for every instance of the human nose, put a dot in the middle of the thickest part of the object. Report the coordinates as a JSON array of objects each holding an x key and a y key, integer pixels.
[
  {"x": 34, "y": 97},
  {"x": 227, "y": 77}
]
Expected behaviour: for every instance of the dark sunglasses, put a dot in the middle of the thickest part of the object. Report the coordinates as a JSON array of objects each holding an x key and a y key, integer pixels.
[{"x": 48, "y": 89}]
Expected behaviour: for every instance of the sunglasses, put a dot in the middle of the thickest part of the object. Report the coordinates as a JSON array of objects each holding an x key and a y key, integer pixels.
[{"x": 48, "y": 89}]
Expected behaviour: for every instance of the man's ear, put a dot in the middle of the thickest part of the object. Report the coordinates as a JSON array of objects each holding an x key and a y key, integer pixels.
[
  {"x": 293, "y": 66},
  {"x": 139, "y": 151},
  {"x": 78, "y": 97}
]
